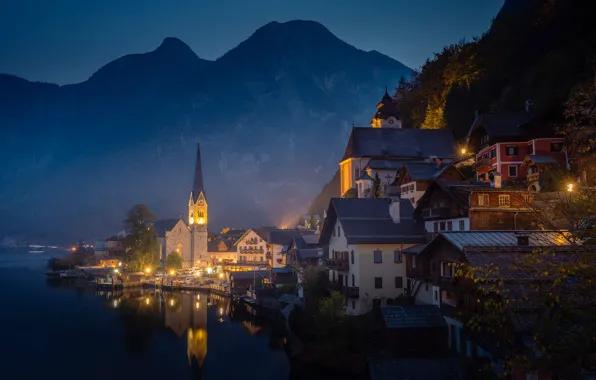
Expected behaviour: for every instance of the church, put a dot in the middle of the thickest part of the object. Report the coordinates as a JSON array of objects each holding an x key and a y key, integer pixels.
[{"x": 188, "y": 237}]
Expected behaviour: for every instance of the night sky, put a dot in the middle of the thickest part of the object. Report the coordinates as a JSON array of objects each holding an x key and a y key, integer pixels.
[{"x": 65, "y": 41}]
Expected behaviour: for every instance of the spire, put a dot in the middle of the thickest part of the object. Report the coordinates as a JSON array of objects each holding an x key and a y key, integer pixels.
[
  {"x": 386, "y": 92},
  {"x": 197, "y": 186}
]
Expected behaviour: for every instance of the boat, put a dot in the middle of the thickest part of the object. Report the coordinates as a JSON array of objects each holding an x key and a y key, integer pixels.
[
  {"x": 36, "y": 248},
  {"x": 69, "y": 274}
]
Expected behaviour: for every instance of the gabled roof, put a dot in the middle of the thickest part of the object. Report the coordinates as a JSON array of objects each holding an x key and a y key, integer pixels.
[
  {"x": 419, "y": 316},
  {"x": 378, "y": 164},
  {"x": 458, "y": 191},
  {"x": 367, "y": 221},
  {"x": 399, "y": 143},
  {"x": 463, "y": 239},
  {"x": 197, "y": 186},
  {"x": 164, "y": 225},
  {"x": 500, "y": 124}
]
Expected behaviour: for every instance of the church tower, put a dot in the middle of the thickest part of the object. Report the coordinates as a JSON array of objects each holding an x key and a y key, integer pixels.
[
  {"x": 387, "y": 115},
  {"x": 198, "y": 218}
]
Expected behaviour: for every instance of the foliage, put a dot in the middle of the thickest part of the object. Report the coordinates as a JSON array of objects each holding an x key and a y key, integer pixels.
[
  {"x": 140, "y": 242},
  {"x": 315, "y": 282},
  {"x": 174, "y": 261},
  {"x": 351, "y": 193},
  {"x": 579, "y": 128},
  {"x": 536, "y": 50},
  {"x": 547, "y": 295},
  {"x": 330, "y": 314},
  {"x": 376, "y": 188}
]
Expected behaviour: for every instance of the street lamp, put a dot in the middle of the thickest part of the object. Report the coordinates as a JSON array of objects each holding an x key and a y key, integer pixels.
[
  {"x": 463, "y": 151},
  {"x": 147, "y": 270},
  {"x": 569, "y": 187},
  {"x": 172, "y": 273}
]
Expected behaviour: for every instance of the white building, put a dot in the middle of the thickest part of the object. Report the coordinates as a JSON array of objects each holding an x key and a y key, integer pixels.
[
  {"x": 366, "y": 239},
  {"x": 279, "y": 242},
  {"x": 252, "y": 247}
]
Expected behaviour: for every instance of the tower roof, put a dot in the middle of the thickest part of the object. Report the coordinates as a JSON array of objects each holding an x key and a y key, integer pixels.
[{"x": 197, "y": 186}]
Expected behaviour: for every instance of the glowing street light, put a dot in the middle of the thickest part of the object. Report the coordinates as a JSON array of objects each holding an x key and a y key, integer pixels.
[
  {"x": 116, "y": 271},
  {"x": 172, "y": 273},
  {"x": 221, "y": 275},
  {"x": 147, "y": 270},
  {"x": 569, "y": 187},
  {"x": 463, "y": 151}
]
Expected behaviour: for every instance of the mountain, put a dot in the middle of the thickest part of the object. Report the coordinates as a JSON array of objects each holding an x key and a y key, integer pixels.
[{"x": 272, "y": 116}]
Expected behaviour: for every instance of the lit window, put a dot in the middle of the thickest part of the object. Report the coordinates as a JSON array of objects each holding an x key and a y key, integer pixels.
[
  {"x": 378, "y": 257},
  {"x": 483, "y": 200},
  {"x": 504, "y": 200}
]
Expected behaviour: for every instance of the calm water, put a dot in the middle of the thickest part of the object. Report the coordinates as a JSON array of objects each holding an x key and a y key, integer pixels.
[{"x": 53, "y": 331}]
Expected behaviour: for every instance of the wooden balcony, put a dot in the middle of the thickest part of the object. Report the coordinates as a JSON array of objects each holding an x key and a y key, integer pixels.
[
  {"x": 347, "y": 291},
  {"x": 484, "y": 164},
  {"x": 338, "y": 264},
  {"x": 252, "y": 250},
  {"x": 437, "y": 212}
]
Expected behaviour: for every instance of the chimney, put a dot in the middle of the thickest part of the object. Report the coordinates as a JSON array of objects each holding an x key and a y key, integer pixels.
[
  {"x": 394, "y": 208},
  {"x": 497, "y": 180}
]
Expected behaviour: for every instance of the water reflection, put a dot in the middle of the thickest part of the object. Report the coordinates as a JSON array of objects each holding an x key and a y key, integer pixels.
[{"x": 184, "y": 314}]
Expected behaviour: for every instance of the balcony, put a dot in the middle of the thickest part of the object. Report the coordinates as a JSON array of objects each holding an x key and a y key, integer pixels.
[
  {"x": 484, "y": 164},
  {"x": 338, "y": 264},
  {"x": 533, "y": 177},
  {"x": 347, "y": 291},
  {"x": 437, "y": 212},
  {"x": 252, "y": 250}
]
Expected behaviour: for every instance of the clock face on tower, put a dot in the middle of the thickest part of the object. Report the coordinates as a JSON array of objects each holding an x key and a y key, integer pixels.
[{"x": 200, "y": 202}]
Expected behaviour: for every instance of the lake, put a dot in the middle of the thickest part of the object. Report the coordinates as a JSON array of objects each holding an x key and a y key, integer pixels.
[{"x": 49, "y": 330}]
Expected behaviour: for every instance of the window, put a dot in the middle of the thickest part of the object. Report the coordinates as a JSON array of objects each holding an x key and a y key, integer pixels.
[
  {"x": 528, "y": 199},
  {"x": 353, "y": 305},
  {"x": 442, "y": 226},
  {"x": 483, "y": 200},
  {"x": 512, "y": 171},
  {"x": 397, "y": 257},
  {"x": 436, "y": 295},
  {"x": 357, "y": 172},
  {"x": 201, "y": 214},
  {"x": 378, "y": 282},
  {"x": 353, "y": 280},
  {"x": 530, "y": 149},
  {"x": 399, "y": 282},
  {"x": 449, "y": 226},
  {"x": 504, "y": 200},
  {"x": 436, "y": 227},
  {"x": 492, "y": 153},
  {"x": 413, "y": 261},
  {"x": 352, "y": 256},
  {"x": 426, "y": 287},
  {"x": 378, "y": 257},
  {"x": 338, "y": 230},
  {"x": 261, "y": 258},
  {"x": 556, "y": 147},
  {"x": 462, "y": 225},
  {"x": 511, "y": 151}
]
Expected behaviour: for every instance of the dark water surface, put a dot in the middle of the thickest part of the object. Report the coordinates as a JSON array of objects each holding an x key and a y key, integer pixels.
[{"x": 51, "y": 331}]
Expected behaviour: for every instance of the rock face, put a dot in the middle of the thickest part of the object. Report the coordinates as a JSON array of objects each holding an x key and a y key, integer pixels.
[{"x": 273, "y": 115}]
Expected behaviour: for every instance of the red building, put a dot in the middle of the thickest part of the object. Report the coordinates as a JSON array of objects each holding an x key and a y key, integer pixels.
[{"x": 507, "y": 157}]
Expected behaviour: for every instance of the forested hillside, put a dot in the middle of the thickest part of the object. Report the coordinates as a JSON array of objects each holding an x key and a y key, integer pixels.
[{"x": 535, "y": 50}]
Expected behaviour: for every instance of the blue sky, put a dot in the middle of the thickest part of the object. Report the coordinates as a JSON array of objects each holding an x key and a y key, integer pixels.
[{"x": 65, "y": 41}]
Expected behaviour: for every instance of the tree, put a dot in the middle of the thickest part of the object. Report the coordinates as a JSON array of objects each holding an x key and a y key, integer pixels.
[
  {"x": 174, "y": 260},
  {"x": 376, "y": 189},
  {"x": 314, "y": 284},
  {"x": 351, "y": 193},
  {"x": 140, "y": 242},
  {"x": 330, "y": 315},
  {"x": 550, "y": 292}
]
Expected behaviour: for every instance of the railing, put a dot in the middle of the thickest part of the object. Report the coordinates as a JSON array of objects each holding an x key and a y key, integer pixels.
[
  {"x": 533, "y": 177},
  {"x": 347, "y": 291},
  {"x": 338, "y": 264},
  {"x": 484, "y": 163},
  {"x": 438, "y": 212},
  {"x": 252, "y": 250}
]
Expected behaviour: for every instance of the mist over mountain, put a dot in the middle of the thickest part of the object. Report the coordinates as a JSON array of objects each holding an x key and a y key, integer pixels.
[{"x": 272, "y": 115}]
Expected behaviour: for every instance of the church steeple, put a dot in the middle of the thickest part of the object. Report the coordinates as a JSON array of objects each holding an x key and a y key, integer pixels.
[
  {"x": 197, "y": 186},
  {"x": 197, "y": 204}
]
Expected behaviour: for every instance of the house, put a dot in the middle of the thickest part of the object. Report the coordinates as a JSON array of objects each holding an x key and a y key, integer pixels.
[
  {"x": 173, "y": 235},
  {"x": 242, "y": 281},
  {"x": 541, "y": 173},
  {"x": 278, "y": 243},
  {"x": 490, "y": 128},
  {"x": 463, "y": 206},
  {"x": 507, "y": 158},
  {"x": 365, "y": 239},
  {"x": 252, "y": 246},
  {"x": 433, "y": 278},
  {"x": 415, "y": 177},
  {"x": 221, "y": 252},
  {"x": 382, "y": 151},
  {"x": 115, "y": 246},
  {"x": 305, "y": 250}
]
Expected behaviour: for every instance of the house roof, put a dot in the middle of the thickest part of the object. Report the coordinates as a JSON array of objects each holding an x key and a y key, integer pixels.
[
  {"x": 161, "y": 226},
  {"x": 367, "y": 221},
  {"x": 500, "y": 124},
  {"x": 245, "y": 275},
  {"x": 308, "y": 253},
  {"x": 379, "y": 164},
  {"x": 213, "y": 245},
  {"x": 420, "y": 316},
  {"x": 394, "y": 142},
  {"x": 537, "y": 159},
  {"x": 285, "y": 237},
  {"x": 458, "y": 191},
  {"x": 463, "y": 239},
  {"x": 311, "y": 239}
]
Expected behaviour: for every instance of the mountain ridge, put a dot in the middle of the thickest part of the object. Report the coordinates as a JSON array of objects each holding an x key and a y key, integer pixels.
[{"x": 273, "y": 115}]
